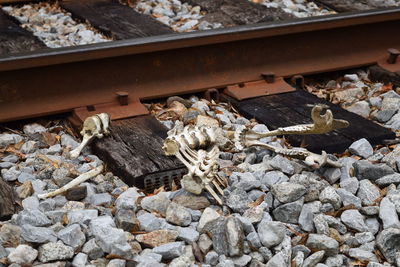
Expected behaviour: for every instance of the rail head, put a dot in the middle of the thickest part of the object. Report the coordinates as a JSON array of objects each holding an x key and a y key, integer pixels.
[{"x": 49, "y": 57}]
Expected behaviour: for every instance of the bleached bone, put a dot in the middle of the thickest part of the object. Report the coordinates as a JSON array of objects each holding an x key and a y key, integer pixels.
[
  {"x": 93, "y": 126},
  {"x": 321, "y": 124},
  {"x": 311, "y": 159},
  {"x": 75, "y": 182},
  {"x": 189, "y": 145}
]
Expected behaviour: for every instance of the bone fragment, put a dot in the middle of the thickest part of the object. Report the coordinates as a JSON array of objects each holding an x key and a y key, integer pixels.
[
  {"x": 93, "y": 126},
  {"x": 77, "y": 181}
]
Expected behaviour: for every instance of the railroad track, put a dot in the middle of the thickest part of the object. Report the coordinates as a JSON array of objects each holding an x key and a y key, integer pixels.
[{"x": 261, "y": 69}]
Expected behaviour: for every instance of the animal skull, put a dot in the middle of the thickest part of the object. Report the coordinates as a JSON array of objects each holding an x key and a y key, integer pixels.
[{"x": 93, "y": 126}]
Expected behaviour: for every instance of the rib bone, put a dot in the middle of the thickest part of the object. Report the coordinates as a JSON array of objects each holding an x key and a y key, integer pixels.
[
  {"x": 77, "y": 181},
  {"x": 94, "y": 126},
  {"x": 189, "y": 145}
]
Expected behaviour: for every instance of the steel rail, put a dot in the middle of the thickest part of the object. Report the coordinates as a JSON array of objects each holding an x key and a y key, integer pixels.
[{"x": 59, "y": 80}]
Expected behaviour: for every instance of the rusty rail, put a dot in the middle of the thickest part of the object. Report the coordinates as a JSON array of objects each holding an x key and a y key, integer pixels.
[{"x": 89, "y": 77}]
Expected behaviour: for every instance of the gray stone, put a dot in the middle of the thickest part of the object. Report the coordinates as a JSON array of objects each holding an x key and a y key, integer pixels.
[
  {"x": 126, "y": 220},
  {"x": 313, "y": 259},
  {"x": 234, "y": 236},
  {"x": 368, "y": 192},
  {"x": 361, "y": 148},
  {"x": 290, "y": 212},
  {"x": 211, "y": 258},
  {"x": 72, "y": 236},
  {"x": 47, "y": 205},
  {"x": 80, "y": 260},
  {"x": 278, "y": 260},
  {"x": 38, "y": 234},
  {"x": 332, "y": 175},
  {"x": 178, "y": 215},
  {"x": 271, "y": 233},
  {"x": 329, "y": 195},
  {"x": 32, "y": 217},
  {"x": 9, "y": 139},
  {"x": 323, "y": 242},
  {"x": 273, "y": 177},
  {"x": 24, "y": 177},
  {"x": 282, "y": 164},
  {"x": 188, "y": 235},
  {"x": 33, "y": 129},
  {"x": 68, "y": 141},
  {"x": 373, "y": 225},
  {"x": 301, "y": 248},
  {"x": 205, "y": 243},
  {"x": 354, "y": 220},
  {"x": 321, "y": 226},
  {"x": 55, "y": 251},
  {"x": 288, "y": 192},
  {"x": 307, "y": 215},
  {"x": 170, "y": 250},
  {"x": 366, "y": 170},
  {"x": 362, "y": 255},
  {"x": 370, "y": 210},
  {"x": 384, "y": 115},
  {"x": 149, "y": 222},
  {"x": 29, "y": 147},
  {"x": 30, "y": 203},
  {"x": 361, "y": 108},
  {"x": 348, "y": 198},
  {"x": 388, "y": 242},
  {"x": 101, "y": 199},
  {"x": 255, "y": 214},
  {"x": 127, "y": 200},
  {"x": 312, "y": 182},
  {"x": 23, "y": 254},
  {"x": 81, "y": 216},
  {"x": 388, "y": 214},
  {"x": 365, "y": 237},
  {"x": 3, "y": 252},
  {"x": 116, "y": 263},
  {"x": 158, "y": 203},
  {"x": 245, "y": 181},
  {"x": 109, "y": 238},
  {"x": 92, "y": 249},
  {"x": 254, "y": 240},
  {"x": 241, "y": 261},
  {"x": 388, "y": 179},
  {"x": 11, "y": 174},
  {"x": 334, "y": 261}
]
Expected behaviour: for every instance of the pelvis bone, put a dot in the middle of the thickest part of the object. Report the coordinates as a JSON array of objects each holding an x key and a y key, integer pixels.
[
  {"x": 93, "y": 126},
  {"x": 197, "y": 148}
]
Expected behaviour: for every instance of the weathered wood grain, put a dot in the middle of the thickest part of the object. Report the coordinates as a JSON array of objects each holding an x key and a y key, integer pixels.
[
  {"x": 294, "y": 108},
  {"x": 238, "y": 12},
  {"x": 7, "y": 201},
  {"x": 14, "y": 39},
  {"x": 134, "y": 149},
  {"x": 114, "y": 19},
  {"x": 378, "y": 74},
  {"x": 353, "y": 5}
]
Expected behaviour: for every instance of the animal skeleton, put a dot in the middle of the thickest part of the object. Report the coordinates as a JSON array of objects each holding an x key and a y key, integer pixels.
[
  {"x": 189, "y": 145},
  {"x": 321, "y": 124},
  {"x": 197, "y": 147},
  {"x": 94, "y": 126}
]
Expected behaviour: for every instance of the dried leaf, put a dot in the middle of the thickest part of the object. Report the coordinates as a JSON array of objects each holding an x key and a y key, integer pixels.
[
  {"x": 339, "y": 212},
  {"x": 257, "y": 202}
]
